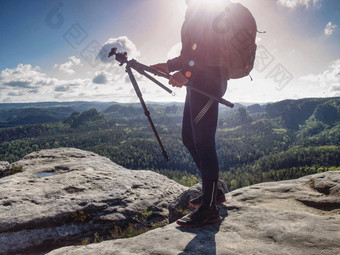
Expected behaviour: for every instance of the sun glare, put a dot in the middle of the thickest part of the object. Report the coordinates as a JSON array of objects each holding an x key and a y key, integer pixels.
[
  {"x": 208, "y": 2},
  {"x": 205, "y": 1},
  {"x": 211, "y": 4}
]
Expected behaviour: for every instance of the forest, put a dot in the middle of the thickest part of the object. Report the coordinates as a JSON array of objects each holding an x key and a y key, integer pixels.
[{"x": 255, "y": 143}]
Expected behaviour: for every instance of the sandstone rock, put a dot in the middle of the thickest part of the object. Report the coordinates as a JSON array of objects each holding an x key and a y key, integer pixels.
[
  {"x": 65, "y": 195},
  {"x": 267, "y": 218},
  {"x": 4, "y": 166}
]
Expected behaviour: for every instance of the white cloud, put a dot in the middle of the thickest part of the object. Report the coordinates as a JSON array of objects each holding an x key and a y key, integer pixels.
[
  {"x": 330, "y": 78},
  {"x": 175, "y": 51},
  {"x": 100, "y": 78},
  {"x": 26, "y": 83},
  {"x": 61, "y": 88},
  {"x": 336, "y": 88},
  {"x": 258, "y": 40},
  {"x": 123, "y": 44},
  {"x": 23, "y": 76},
  {"x": 67, "y": 67},
  {"x": 296, "y": 3},
  {"x": 330, "y": 29}
]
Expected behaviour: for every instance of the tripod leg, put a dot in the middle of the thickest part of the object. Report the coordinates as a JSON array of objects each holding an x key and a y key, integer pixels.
[{"x": 146, "y": 111}]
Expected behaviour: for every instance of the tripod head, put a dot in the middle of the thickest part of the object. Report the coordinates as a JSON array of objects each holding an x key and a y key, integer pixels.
[{"x": 121, "y": 57}]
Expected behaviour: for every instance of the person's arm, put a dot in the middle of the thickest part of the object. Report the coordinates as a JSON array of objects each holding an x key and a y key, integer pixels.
[
  {"x": 170, "y": 66},
  {"x": 178, "y": 79},
  {"x": 175, "y": 64}
]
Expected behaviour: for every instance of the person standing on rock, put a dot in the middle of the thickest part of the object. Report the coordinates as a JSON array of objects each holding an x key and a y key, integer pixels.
[{"x": 198, "y": 66}]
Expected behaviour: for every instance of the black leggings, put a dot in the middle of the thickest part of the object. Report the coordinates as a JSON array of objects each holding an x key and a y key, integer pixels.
[{"x": 200, "y": 122}]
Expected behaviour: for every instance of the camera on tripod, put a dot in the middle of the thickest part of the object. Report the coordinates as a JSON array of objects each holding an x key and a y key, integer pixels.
[{"x": 121, "y": 57}]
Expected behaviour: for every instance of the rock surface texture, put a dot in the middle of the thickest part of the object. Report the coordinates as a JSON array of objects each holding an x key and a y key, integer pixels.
[
  {"x": 290, "y": 217},
  {"x": 64, "y": 195},
  {"x": 4, "y": 166}
]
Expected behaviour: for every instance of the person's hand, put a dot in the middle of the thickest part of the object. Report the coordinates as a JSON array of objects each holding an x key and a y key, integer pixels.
[
  {"x": 163, "y": 67},
  {"x": 178, "y": 80}
]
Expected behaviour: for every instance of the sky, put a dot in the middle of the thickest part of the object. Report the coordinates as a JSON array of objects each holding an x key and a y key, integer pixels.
[{"x": 56, "y": 50}]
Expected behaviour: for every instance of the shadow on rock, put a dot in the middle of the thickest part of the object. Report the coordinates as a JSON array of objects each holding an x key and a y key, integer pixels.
[{"x": 204, "y": 241}]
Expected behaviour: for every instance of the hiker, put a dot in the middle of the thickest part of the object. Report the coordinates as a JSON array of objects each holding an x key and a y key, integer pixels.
[{"x": 198, "y": 66}]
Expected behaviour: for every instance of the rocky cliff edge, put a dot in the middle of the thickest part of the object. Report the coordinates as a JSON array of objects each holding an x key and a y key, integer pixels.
[{"x": 65, "y": 194}]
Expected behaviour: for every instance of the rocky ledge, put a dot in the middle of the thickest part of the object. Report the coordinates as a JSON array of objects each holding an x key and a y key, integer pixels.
[
  {"x": 65, "y": 195},
  {"x": 289, "y": 217}
]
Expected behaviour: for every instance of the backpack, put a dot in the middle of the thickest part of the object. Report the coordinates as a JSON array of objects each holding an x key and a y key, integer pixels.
[{"x": 236, "y": 34}]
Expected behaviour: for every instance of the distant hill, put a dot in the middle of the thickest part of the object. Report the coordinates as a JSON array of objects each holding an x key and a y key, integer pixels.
[
  {"x": 118, "y": 111},
  {"x": 88, "y": 118},
  {"x": 76, "y": 105},
  {"x": 296, "y": 112},
  {"x": 17, "y": 114},
  {"x": 26, "y": 116},
  {"x": 305, "y": 106},
  {"x": 255, "y": 143}
]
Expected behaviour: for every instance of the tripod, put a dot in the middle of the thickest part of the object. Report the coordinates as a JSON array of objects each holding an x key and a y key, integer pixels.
[{"x": 142, "y": 69}]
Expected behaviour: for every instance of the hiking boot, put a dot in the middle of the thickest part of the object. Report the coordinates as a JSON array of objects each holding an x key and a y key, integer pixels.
[
  {"x": 200, "y": 217},
  {"x": 220, "y": 199}
]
